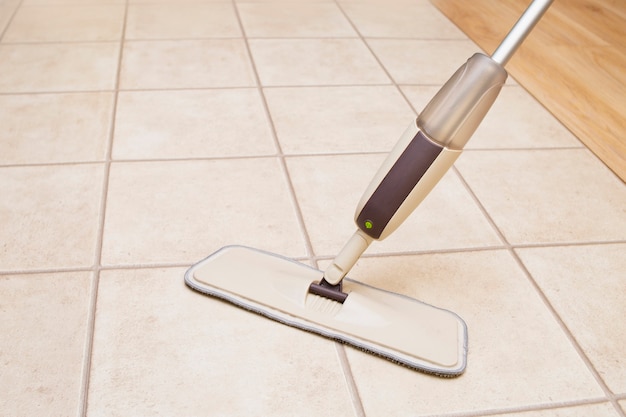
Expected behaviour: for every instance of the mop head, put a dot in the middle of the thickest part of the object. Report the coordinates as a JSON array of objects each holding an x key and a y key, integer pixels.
[{"x": 396, "y": 327}]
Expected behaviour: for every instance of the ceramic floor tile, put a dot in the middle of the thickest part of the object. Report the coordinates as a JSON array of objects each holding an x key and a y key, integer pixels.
[
  {"x": 291, "y": 62},
  {"x": 66, "y": 23},
  {"x": 518, "y": 355},
  {"x": 225, "y": 361},
  {"x": 166, "y": 212},
  {"x": 42, "y": 128},
  {"x": 49, "y": 216},
  {"x": 179, "y": 21},
  {"x": 186, "y": 64},
  {"x": 548, "y": 196},
  {"x": 422, "y": 61},
  {"x": 42, "y": 360},
  {"x": 338, "y": 119},
  {"x": 328, "y": 191},
  {"x": 593, "y": 276},
  {"x": 516, "y": 120},
  {"x": 67, "y": 67},
  {"x": 294, "y": 19},
  {"x": 228, "y": 122},
  {"x": 596, "y": 410},
  {"x": 415, "y": 19}
]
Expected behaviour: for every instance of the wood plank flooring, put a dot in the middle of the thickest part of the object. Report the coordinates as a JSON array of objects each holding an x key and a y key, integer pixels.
[{"x": 574, "y": 63}]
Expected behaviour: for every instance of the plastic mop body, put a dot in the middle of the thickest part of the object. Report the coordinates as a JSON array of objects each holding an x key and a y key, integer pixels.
[{"x": 391, "y": 325}]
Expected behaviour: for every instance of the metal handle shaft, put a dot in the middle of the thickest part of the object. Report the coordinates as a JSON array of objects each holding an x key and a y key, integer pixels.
[{"x": 518, "y": 33}]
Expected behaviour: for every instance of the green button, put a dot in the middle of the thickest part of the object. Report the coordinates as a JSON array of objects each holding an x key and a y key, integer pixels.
[{"x": 368, "y": 224}]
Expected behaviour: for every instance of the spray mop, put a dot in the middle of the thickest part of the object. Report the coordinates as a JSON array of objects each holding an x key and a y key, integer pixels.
[{"x": 394, "y": 326}]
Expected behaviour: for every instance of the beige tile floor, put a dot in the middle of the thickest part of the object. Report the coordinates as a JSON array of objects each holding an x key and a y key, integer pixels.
[{"x": 139, "y": 136}]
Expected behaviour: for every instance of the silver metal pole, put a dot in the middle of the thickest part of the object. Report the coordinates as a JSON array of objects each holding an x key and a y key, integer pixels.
[{"x": 518, "y": 33}]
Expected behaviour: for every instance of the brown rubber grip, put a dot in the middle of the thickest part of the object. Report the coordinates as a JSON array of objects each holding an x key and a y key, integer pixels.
[{"x": 396, "y": 186}]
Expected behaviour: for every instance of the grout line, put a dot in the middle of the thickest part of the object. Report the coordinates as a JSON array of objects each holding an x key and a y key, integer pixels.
[
  {"x": 369, "y": 48},
  {"x": 88, "y": 347},
  {"x": 439, "y": 251},
  {"x": 566, "y": 244},
  {"x": 245, "y": 37},
  {"x": 218, "y": 38},
  {"x": 351, "y": 385},
  {"x": 41, "y": 93},
  {"x": 53, "y": 42},
  {"x": 146, "y": 266},
  {"x": 45, "y": 271},
  {"x": 87, "y": 360},
  {"x": 284, "y": 156},
  {"x": 344, "y": 361},
  {"x": 231, "y": 37},
  {"x": 280, "y": 155},
  {"x": 316, "y": 258},
  {"x": 568, "y": 334},
  {"x": 104, "y": 268},
  {"x": 353, "y": 390},
  {"x": 524, "y": 409},
  {"x": 207, "y": 88},
  {"x": 51, "y": 164},
  {"x": 539, "y": 148}
]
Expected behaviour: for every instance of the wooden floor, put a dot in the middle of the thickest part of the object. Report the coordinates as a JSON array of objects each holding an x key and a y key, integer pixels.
[{"x": 574, "y": 63}]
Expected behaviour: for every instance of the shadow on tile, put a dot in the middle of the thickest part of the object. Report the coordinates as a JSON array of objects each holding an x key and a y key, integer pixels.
[{"x": 518, "y": 354}]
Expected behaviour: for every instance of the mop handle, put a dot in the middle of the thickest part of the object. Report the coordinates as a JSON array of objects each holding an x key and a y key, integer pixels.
[
  {"x": 518, "y": 33},
  {"x": 427, "y": 149}
]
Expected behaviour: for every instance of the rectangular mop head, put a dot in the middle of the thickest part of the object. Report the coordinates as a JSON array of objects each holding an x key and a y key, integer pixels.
[{"x": 391, "y": 325}]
